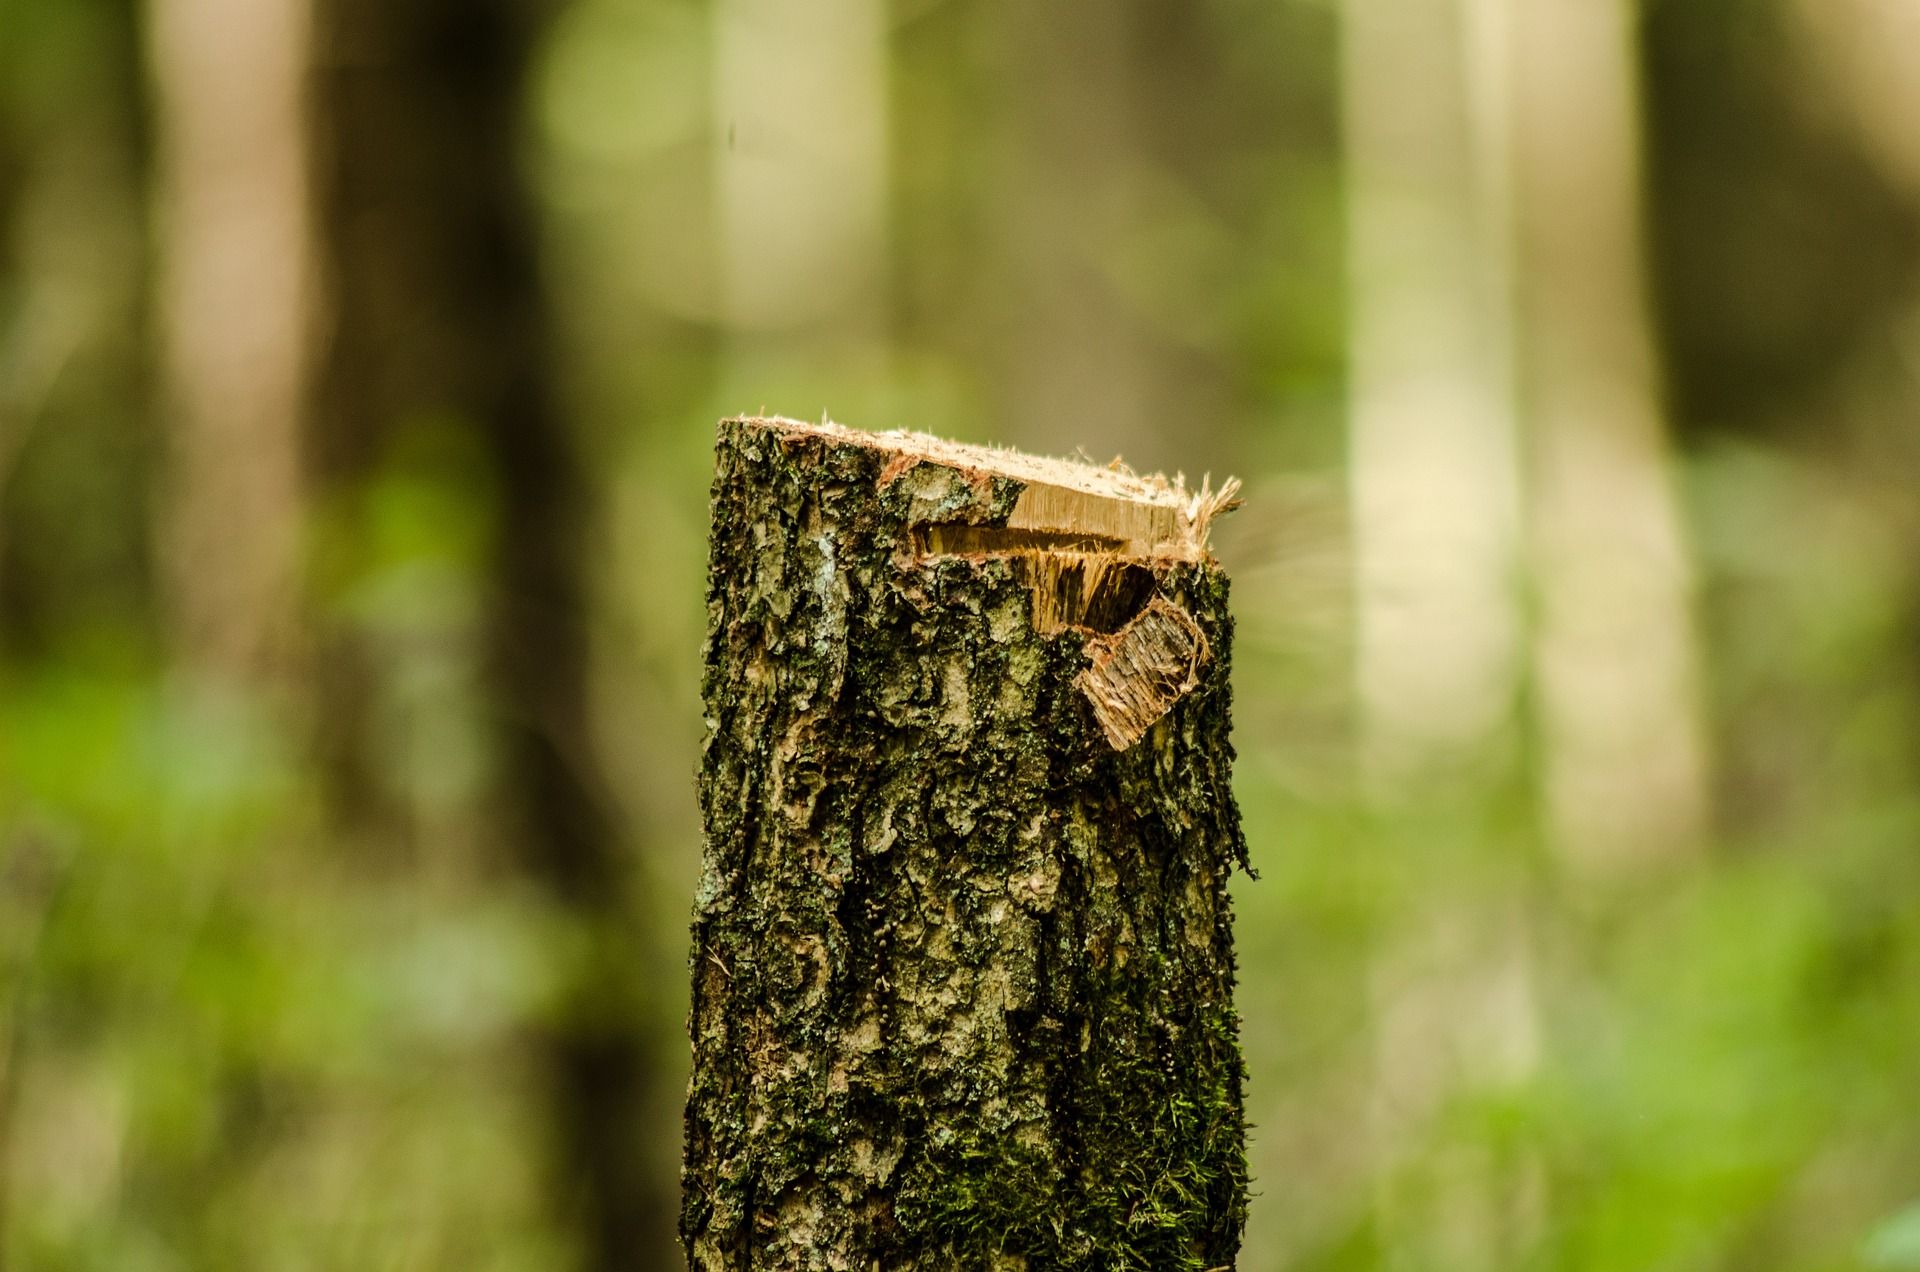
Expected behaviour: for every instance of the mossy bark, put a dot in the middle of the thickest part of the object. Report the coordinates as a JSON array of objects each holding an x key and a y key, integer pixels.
[{"x": 962, "y": 970}]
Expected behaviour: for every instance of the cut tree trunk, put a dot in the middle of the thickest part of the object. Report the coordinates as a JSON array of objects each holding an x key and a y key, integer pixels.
[{"x": 963, "y": 960}]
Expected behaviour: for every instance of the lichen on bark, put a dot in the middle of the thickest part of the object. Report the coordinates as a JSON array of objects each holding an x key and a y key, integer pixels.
[{"x": 962, "y": 970}]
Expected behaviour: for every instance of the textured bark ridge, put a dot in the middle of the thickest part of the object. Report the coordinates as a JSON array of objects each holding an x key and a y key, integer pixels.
[{"x": 963, "y": 960}]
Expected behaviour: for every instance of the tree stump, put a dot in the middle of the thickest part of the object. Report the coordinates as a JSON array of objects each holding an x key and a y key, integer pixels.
[{"x": 962, "y": 958}]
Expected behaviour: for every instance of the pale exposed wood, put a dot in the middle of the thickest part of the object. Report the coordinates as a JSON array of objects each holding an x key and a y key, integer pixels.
[
  {"x": 1142, "y": 516},
  {"x": 1092, "y": 591},
  {"x": 1141, "y": 671},
  {"x": 1083, "y": 539}
]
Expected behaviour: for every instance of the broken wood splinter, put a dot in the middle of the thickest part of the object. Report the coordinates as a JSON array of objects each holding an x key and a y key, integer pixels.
[
  {"x": 1141, "y": 671},
  {"x": 1089, "y": 542},
  {"x": 937, "y": 915}
]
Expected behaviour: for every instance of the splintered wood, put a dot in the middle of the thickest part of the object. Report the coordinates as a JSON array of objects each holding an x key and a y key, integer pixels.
[
  {"x": 962, "y": 971},
  {"x": 1091, "y": 543},
  {"x": 1140, "y": 671},
  {"x": 1134, "y": 515},
  {"x": 1087, "y": 591},
  {"x": 1136, "y": 528}
]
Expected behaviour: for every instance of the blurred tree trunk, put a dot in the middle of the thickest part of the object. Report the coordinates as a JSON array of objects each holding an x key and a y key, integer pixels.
[
  {"x": 429, "y": 248},
  {"x": 1436, "y": 483},
  {"x": 76, "y": 600},
  {"x": 74, "y": 364},
  {"x": 233, "y": 255},
  {"x": 1065, "y": 172},
  {"x": 13, "y": 965},
  {"x": 14, "y": 407},
  {"x": 1436, "y": 487},
  {"x": 1869, "y": 52},
  {"x": 801, "y": 111},
  {"x": 1624, "y": 750}
]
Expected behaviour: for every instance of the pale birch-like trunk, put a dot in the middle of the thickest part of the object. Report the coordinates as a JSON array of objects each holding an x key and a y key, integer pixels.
[
  {"x": 1433, "y": 470},
  {"x": 1615, "y": 659},
  {"x": 1436, "y": 494},
  {"x": 233, "y": 251},
  {"x": 1063, "y": 166},
  {"x": 800, "y": 119}
]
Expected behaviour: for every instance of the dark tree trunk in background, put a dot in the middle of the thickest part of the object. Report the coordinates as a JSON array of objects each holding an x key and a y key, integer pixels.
[
  {"x": 429, "y": 272},
  {"x": 963, "y": 963}
]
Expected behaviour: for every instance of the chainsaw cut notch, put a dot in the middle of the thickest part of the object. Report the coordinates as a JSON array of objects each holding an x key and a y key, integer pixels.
[
  {"x": 963, "y": 539},
  {"x": 1085, "y": 591},
  {"x": 1091, "y": 544},
  {"x": 1077, "y": 581}
]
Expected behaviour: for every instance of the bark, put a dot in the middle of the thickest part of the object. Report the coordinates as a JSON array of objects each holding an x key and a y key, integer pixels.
[{"x": 963, "y": 963}]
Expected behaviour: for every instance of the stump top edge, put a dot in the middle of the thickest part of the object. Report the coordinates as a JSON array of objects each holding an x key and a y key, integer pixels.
[
  {"x": 1106, "y": 482},
  {"x": 1146, "y": 515}
]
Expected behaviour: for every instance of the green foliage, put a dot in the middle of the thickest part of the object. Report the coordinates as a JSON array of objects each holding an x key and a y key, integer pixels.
[{"x": 1895, "y": 1244}]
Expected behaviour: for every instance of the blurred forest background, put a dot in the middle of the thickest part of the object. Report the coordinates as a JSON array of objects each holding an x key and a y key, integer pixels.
[{"x": 359, "y": 361}]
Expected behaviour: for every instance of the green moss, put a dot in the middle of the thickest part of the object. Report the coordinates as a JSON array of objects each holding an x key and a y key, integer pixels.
[
  {"x": 962, "y": 974},
  {"x": 1143, "y": 1170}
]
